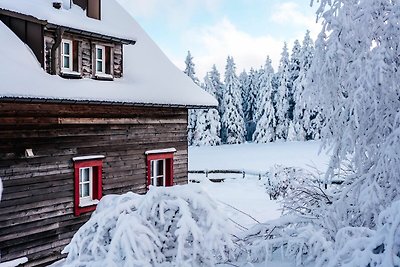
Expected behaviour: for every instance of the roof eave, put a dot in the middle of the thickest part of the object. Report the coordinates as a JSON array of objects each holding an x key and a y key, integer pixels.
[
  {"x": 52, "y": 26},
  {"x": 33, "y": 100}
]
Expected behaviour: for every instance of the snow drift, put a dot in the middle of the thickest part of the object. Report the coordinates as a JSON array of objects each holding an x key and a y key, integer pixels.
[{"x": 176, "y": 226}]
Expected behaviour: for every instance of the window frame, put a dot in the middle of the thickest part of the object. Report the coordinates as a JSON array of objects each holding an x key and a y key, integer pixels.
[
  {"x": 168, "y": 168},
  {"x": 103, "y": 60},
  {"x": 70, "y": 55},
  {"x": 95, "y": 164}
]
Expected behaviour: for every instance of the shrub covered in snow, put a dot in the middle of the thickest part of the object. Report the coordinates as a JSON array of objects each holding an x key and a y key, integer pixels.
[{"x": 176, "y": 226}]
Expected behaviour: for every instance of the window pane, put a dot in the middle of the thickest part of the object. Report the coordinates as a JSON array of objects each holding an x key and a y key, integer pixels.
[
  {"x": 160, "y": 167},
  {"x": 85, "y": 190},
  {"x": 160, "y": 181},
  {"x": 99, "y": 53},
  {"x": 66, "y": 62},
  {"x": 86, "y": 174},
  {"x": 66, "y": 49},
  {"x": 99, "y": 66}
]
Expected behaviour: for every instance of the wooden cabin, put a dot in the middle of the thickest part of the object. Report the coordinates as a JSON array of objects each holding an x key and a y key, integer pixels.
[{"x": 82, "y": 116}]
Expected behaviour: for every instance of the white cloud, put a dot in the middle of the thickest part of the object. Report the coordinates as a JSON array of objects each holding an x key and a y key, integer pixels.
[
  {"x": 290, "y": 15},
  {"x": 212, "y": 44},
  {"x": 175, "y": 12}
]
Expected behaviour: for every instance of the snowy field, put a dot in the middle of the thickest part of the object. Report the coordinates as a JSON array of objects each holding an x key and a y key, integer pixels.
[
  {"x": 245, "y": 200},
  {"x": 259, "y": 157}
]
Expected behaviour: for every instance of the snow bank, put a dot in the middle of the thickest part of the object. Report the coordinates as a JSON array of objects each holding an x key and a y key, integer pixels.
[{"x": 176, "y": 226}]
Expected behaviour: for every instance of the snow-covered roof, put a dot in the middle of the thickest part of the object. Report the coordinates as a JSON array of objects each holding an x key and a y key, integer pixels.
[
  {"x": 73, "y": 16},
  {"x": 150, "y": 78}
]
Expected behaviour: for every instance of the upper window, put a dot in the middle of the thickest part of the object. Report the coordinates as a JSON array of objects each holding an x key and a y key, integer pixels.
[
  {"x": 88, "y": 183},
  {"x": 103, "y": 61},
  {"x": 66, "y": 55},
  {"x": 69, "y": 57},
  {"x": 160, "y": 167}
]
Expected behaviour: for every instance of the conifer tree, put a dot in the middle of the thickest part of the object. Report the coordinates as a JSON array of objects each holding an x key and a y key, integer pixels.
[
  {"x": 249, "y": 102},
  {"x": 192, "y": 114},
  {"x": 208, "y": 126},
  {"x": 282, "y": 95},
  {"x": 233, "y": 129},
  {"x": 295, "y": 67},
  {"x": 265, "y": 115}
]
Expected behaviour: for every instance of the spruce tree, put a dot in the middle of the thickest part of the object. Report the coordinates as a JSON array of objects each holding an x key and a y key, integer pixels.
[
  {"x": 233, "y": 129},
  {"x": 282, "y": 95},
  {"x": 208, "y": 126},
  {"x": 192, "y": 114},
  {"x": 265, "y": 115},
  {"x": 249, "y": 102}
]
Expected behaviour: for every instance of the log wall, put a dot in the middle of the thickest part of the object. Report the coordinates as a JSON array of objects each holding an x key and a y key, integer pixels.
[{"x": 36, "y": 211}]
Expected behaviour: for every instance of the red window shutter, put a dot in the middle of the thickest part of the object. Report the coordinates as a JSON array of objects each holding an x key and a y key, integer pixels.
[
  {"x": 75, "y": 56},
  {"x": 108, "y": 59}
]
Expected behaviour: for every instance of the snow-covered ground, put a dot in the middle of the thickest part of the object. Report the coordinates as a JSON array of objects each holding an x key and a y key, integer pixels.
[
  {"x": 240, "y": 196},
  {"x": 243, "y": 199},
  {"x": 259, "y": 157}
]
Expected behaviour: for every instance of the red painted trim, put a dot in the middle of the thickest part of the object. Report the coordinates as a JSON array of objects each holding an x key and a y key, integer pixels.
[
  {"x": 169, "y": 157},
  {"x": 97, "y": 183}
]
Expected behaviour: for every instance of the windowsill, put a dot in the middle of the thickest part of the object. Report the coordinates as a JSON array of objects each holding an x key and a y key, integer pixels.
[
  {"x": 104, "y": 77},
  {"x": 88, "y": 203},
  {"x": 70, "y": 74}
]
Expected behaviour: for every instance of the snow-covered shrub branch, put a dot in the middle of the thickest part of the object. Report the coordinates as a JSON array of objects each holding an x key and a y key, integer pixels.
[{"x": 177, "y": 226}]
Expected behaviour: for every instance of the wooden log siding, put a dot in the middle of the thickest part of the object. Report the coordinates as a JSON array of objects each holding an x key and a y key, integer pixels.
[
  {"x": 36, "y": 212},
  {"x": 85, "y": 54}
]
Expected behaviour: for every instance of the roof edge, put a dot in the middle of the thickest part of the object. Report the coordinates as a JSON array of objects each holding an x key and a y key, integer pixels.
[{"x": 33, "y": 100}]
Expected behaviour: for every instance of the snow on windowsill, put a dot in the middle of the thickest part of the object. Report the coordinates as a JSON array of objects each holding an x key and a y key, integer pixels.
[
  {"x": 104, "y": 76},
  {"x": 87, "y": 203},
  {"x": 88, "y": 157},
  {"x": 160, "y": 151},
  {"x": 15, "y": 262},
  {"x": 70, "y": 73}
]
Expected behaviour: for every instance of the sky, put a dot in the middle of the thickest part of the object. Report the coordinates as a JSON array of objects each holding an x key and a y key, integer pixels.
[{"x": 247, "y": 30}]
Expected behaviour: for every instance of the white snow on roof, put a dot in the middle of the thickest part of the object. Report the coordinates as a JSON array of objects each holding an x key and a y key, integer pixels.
[
  {"x": 74, "y": 17},
  {"x": 149, "y": 76}
]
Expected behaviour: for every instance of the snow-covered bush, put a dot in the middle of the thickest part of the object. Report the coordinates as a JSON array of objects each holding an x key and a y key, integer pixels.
[
  {"x": 278, "y": 180},
  {"x": 176, "y": 226}
]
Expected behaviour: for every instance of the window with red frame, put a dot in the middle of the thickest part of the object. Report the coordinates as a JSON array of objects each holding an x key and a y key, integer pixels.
[
  {"x": 160, "y": 167},
  {"x": 87, "y": 183}
]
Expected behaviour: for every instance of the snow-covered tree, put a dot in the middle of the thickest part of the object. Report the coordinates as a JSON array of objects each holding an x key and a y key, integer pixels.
[
  {"x": 355, "y": 78},
  {"x": 192, "y": 113},
  {"x": 208, "y": 126},
  {"x": 302, "y": 110},
  {"x": 244, "y": 90},
  {"x": 233, "y": 128},
  {"x": 354, "y": 81},
  {"x": 282, "y": 95},
  {"x": 265, "y": 115},
  {"x": 295, "y": 66},
  {"x": 190, "y": 68},
  {"x": 215, "y": 79},
  {"x": 249, "y": 102}
]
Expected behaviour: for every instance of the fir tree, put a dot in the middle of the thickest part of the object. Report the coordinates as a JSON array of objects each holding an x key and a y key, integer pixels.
[
  {"x": 233, "y": 129},
  {"x": 304, "y": 128},
  {"x": 249, "y": 102},
  {"x": 282, "y": 95},
  {"x": 208, "y": 126},
  {"x": 192, "y": 114},
  {"x": 305, "y": 118},
  {"x": 295, "y": 66},
  {"x": 265, "y": 115}
]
